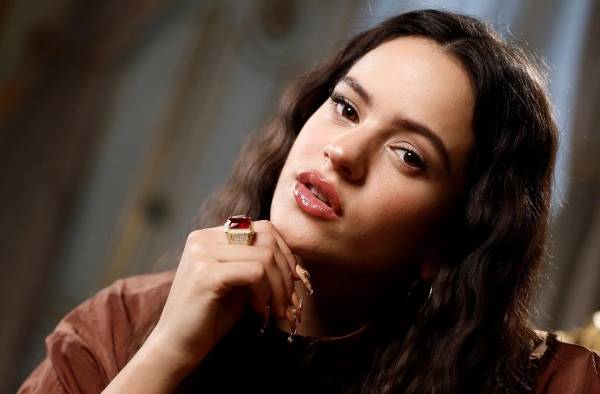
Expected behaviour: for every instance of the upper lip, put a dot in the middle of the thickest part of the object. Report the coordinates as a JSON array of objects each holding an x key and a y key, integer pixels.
[{"x": 314, "y": 178}]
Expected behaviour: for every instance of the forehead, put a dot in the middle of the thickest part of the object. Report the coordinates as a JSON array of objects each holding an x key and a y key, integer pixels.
[{"x": 415, "y": 77}]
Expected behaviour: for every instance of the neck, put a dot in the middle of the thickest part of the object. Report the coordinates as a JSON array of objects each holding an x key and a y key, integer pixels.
[{"x": 342, "y": 302}]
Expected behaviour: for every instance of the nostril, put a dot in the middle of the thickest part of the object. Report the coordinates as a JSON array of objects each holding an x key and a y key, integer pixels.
[
  {"x": 337, "y": 163},
  {"x": 347, "y": 171}
]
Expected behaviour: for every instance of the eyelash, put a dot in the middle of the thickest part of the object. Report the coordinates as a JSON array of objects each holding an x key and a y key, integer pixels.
[
  {"x": 423, "y": 164},
  {"x": 339, "y": 99}
]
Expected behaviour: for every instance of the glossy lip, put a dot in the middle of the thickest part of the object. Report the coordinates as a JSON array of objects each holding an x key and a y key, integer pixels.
[{"x": 326, "y": 188}]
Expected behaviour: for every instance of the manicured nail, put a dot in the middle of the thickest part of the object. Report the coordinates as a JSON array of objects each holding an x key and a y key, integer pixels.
[
  {"x": 294, "y": 271},
  {"x": 304, "y": 276},
  {"x": 297, "y": 302},
  {"x": 294, "y": 299},
  {"x": 293, "y": 321}
]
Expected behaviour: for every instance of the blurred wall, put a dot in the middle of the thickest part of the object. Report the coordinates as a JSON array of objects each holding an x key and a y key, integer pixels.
[{"x": 117, "y": 120}]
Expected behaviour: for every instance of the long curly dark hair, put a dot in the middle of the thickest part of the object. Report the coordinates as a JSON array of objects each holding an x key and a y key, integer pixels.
[{"x": 473, "y": 334}]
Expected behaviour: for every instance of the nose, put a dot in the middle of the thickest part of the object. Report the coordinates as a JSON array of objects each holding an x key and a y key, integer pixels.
[{"x": 347, "y": 156}]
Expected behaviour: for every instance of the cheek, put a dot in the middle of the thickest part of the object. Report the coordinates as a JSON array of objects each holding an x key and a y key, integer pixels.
[
  {"x": 396, "y": 219},
  {"x": 311, "y": 138},
  {"x": 394, "y": 198}
]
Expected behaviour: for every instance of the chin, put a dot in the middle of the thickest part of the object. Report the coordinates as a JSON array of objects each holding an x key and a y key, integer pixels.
[
  {"x": 301, "y": 236},
  {"x": 305, "y": 235},
  {"x": 293, "y": 231}
]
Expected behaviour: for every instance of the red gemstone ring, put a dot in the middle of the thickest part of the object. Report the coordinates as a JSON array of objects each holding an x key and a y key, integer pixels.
[{"x": 238, "y": 230}]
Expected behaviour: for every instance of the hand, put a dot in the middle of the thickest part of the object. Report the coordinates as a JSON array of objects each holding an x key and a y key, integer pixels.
[{"x": 215, "y": 280}]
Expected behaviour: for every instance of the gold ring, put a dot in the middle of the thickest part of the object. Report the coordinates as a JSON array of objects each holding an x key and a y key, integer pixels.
[{"x": 238, "y": 230}]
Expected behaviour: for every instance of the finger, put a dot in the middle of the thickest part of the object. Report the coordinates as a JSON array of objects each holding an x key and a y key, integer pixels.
[
  {"x": 218, "y": 235},
  {"x": 305, "y": 277},
  {"x": 250, "y": 274},
  {"x": 292, "y": 318},
  {"x": 260, "y": 296},
  {"x": 237, "y": 273},
  {"x": 254, "y": 252},
  {"x": 278, "y": 287},
  {"x": 287, "y": 252},
  {"x": 266, "y": 237},
  {"x": 297, "y": 304},
  {"x": 224, "y": 253},
  {"x": 215, "y": 245},
  {"x": 265, "y": 255}
]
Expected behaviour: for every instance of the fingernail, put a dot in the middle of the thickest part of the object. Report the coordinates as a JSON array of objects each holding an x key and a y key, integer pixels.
[
  {"x": 294, "y": 299},
  {"x": 304, "y": 276},
  {"x": 293, "y": 272},
  {"x": 292, "y": 317},
  {"x": 293, "y": 321},
  {"x": 296, "y": 313},
  {"x": 292, "y": 313}
]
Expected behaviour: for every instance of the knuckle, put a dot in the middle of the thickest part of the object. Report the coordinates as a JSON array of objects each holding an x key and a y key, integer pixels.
[
  {"x": 195, "y": 246},
  {"x": 192, "y": 237},
  {"x": 272, "y": 241},
  {"x": 267, "y": 255},
  {"x": 258, "y": 225},
  {"x": 198, "y": 241},
  {"x": 269, "y": 240},
  {"x": 264, "y": 226},
  {"x": 195, "y": 236},
  {"x": 267, "y": 223},
  {"x": 262, "y": 222},
  {"x": 203, "y": 274},
  {"x": 212, "y": 280},
  {"x": 258, "y": 271}
]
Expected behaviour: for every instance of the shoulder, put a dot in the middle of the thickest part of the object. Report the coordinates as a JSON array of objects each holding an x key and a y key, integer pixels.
[
  {"x": 564, "y": 367},
  {"x": 133, "y": 293},
  {"x": 120, "y": 310},
  {"x": 95, "y": 340},
  {"x": 127, "y": 305}
]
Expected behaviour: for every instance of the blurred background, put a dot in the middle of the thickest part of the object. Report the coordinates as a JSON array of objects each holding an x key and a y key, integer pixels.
[{"x": 118, "y": 118}]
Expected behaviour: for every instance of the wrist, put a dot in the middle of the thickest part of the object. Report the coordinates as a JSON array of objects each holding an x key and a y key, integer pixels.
[
  {"x": 155, "y": 368},
  {"x": 158, "y": 348}
]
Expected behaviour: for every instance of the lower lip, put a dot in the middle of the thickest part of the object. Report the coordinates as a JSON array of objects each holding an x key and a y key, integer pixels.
[{"x": 310, "y": 204}]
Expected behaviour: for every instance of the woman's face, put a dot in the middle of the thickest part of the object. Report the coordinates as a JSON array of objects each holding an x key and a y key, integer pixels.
[{"x": 397, "y": 181}]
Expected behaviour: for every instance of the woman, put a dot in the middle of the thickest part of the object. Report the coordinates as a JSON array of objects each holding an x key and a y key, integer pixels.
[{"x": 430, "y": 143}]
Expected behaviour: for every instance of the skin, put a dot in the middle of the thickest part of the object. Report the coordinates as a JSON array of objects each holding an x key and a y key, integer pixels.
[
  {"x": 392, "y": 208},
  {"x": 393, "y": 213}
]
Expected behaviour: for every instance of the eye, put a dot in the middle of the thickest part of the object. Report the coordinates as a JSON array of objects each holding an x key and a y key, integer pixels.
[
  {"x": 411, "y": 157},
  {"x": 343, "y": 107}
]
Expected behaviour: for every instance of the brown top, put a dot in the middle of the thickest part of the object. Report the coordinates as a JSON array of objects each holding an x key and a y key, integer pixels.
[{"x": 95, "y": 340}]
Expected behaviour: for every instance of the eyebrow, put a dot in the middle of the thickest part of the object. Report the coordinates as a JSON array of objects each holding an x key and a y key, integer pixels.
[{"x": 403, "y": 123}]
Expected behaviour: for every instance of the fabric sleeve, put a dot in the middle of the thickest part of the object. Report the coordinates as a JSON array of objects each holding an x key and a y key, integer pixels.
[
  {"x": 94, "y": 341},
  {"x": 570, "y": 369}
]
